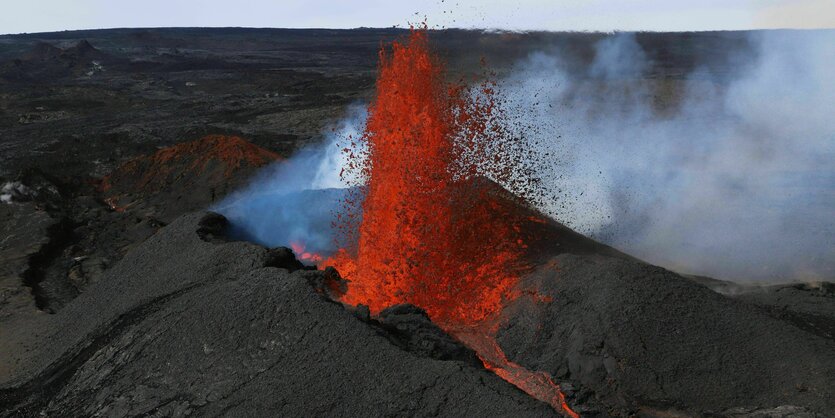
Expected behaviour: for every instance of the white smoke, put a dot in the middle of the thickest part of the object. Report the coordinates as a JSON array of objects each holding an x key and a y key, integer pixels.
[
  {"x": 294, "y": 201},
  {"x": 737, "y": 182}
]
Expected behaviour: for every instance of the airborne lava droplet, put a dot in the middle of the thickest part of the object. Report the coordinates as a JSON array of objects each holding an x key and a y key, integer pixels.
[{"x": 434, "y": 231}]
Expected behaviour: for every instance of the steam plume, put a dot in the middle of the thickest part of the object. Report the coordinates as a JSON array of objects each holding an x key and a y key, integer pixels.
[
  {"x": 737, "y": 182},
  {"x": 294, "y": 201}
]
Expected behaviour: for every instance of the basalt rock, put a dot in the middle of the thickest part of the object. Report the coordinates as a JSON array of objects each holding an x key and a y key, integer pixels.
[
  {"x": 646, "y": 340},
  {"x": 212, "y": 228},
  {"x": 283, "y": 257},
  {"x": 409, "y": 327},
  {"x": 181, "y": 326}
]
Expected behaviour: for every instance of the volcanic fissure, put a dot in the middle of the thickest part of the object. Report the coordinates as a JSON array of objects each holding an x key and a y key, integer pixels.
[{"x": 431, "y": 228}]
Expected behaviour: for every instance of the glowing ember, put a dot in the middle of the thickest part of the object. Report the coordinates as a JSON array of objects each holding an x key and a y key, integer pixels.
[{"x": 301, "y": 254}]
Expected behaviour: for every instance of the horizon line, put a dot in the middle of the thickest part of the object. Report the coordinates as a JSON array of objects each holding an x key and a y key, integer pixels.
[{"x": 439, "y": 29}]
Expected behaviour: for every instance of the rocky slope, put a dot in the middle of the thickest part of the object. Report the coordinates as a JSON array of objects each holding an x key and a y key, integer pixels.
[
  {"x": 60, "y": 235},
  {"x": 190, "y": 324},
  {"x": 638, "y": 338}
]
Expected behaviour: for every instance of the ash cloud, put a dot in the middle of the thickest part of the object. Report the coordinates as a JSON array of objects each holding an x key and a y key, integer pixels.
[{"x": 735, "y": 179}]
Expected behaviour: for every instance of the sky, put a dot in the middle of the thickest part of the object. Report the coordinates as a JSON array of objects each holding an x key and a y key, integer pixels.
[{"x": 17, "y": 16}]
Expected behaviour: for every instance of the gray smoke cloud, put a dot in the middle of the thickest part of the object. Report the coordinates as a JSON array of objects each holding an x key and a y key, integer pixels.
[{"x": 736, "y": 181}]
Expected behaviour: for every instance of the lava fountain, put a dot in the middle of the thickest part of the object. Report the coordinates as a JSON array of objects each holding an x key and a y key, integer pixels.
[{"x": 434, "y": 229}]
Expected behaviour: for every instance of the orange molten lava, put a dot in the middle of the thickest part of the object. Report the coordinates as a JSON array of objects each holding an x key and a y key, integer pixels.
[
  {"x": 537, "y": 384},
  {"x": 434, "y": 231},
  {"x": 429, "y": 234}
]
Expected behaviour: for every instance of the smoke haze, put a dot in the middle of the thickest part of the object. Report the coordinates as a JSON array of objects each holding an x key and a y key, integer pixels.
[
  {"x": 726, "y": 173},
  {"x": 736, "y": 181}
]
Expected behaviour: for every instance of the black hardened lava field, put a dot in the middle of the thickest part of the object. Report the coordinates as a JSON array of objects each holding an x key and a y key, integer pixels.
[{"x": 175, "y": 239}]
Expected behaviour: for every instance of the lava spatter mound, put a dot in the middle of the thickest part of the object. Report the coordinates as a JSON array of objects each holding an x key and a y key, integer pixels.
[{"x": 186, "y": 176}]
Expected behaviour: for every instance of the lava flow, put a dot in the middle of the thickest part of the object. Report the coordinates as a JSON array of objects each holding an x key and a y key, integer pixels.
[
  {"x": 540, "y": 385},
  {"x": 434, "y": 231}
]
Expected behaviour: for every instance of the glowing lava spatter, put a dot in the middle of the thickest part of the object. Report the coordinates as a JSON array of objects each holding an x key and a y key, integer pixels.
[
  {"x": 429, "y": 235},
  {"x": 299, "y": 250},
  {"x": 434, "y": 232}
]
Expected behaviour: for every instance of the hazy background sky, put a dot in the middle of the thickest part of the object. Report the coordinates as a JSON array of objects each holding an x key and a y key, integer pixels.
[{"x": 18, "y": 16}]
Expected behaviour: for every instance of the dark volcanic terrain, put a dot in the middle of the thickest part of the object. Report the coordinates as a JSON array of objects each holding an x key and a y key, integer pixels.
[
  {"x": 119, "y": 296},
  {"x": 79, "y": 111},
  {"x": 78, "y": 103},
  {"x": 235, "y": 329}
]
